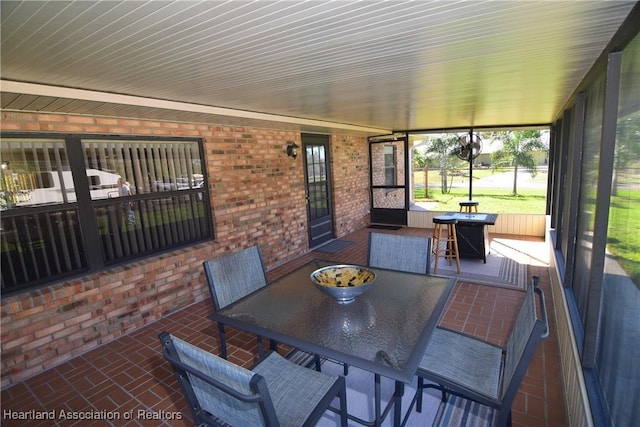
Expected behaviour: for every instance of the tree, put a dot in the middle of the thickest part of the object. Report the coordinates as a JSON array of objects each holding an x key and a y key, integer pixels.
[
  {"x": 517, "y": 150},
  {"x": 443, "y": 147},
  {"x": 420, "y": 159}
]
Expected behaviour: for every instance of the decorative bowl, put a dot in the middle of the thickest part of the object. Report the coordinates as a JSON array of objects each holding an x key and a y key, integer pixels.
[{"x": 343, "y": 282}]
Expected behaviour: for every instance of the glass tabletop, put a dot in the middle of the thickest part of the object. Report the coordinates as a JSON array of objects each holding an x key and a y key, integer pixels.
[{"x": 384, "y": 331}]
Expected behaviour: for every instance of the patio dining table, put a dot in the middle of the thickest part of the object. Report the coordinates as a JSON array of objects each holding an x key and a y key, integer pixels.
[{"x": 384, "y": 331}]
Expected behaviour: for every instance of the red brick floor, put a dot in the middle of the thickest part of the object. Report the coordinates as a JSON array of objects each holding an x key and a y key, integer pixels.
[{"x": 128, "y": 378}]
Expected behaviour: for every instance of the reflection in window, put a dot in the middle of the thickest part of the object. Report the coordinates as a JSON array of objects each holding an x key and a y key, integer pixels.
[
  {"x": 131, "y": 228},
  {"x": 619, "y": 326},
  {"x": 144, "y": 197},
  {"x": 594, "y": 101},
  {"x": 34, "y": 173},
  {"x": 147, "y": 166},
  {"x": 317, "y": 183},
  {"x": 134, "y": 168},
  {"x": 390, "y": 165},
  {"x": 41, "y": 245}
]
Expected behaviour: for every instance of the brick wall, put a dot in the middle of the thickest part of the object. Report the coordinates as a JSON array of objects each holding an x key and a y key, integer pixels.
[
  {"x": 257, "y": 197},
  {"x": 350, "y": 171}
]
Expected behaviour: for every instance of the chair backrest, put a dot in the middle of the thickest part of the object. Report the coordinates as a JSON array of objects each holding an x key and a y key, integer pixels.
[
  {"x": 235, "y": 276},
  {"x": 528, "y": 331},
  {"x": 217, "y": 390},
  {"x": 398, "y": 252}
]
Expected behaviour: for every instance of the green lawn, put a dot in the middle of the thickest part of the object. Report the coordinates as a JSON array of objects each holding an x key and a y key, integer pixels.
[
  {"x": 623, "y": 240},
  {"x": 491, "y": 200},
  {"x": 461, "y": 176},
  {"x": 498, "y": 200}
]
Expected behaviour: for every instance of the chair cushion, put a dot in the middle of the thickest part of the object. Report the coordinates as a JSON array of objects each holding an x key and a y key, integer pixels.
[
  {"x": 463, "y": 361},
  {"x": 445, "y": 219},
  {"x": 295, "y": 390}
]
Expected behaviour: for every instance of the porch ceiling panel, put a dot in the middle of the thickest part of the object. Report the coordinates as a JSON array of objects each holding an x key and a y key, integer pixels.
[{"x": 373, "y": 64}]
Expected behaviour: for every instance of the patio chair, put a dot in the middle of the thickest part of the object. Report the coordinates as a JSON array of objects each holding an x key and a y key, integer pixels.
[
  {"x": 275, "y": 392},
  {"x": 236, "y": 276},
  {"x": 485, "y": 377},
  {"x": 397, "y": 252},
  {"x": 231, "y": 278}
]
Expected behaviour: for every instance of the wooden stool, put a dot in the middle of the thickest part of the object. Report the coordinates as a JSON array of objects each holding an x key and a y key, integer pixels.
[
  {"x": 450, "y": 245},
  {"x": 466, "y": 205}
]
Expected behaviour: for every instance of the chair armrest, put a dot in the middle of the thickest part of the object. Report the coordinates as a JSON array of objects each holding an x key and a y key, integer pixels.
[{"x": 543, "y": 306}]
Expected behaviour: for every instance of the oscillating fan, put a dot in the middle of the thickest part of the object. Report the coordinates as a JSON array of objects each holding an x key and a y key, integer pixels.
[{"x": 469, "y": 146}]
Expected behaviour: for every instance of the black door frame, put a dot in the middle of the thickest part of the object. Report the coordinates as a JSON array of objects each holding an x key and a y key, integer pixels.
[
  {"x": 319, "y": 230},
  {"x": 388, "y": 216}
]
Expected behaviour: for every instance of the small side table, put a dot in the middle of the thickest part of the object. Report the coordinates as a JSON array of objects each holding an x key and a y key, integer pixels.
[{"x": 466, "y": 205}]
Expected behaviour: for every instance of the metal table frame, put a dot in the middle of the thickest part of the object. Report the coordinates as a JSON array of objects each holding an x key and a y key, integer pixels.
[{"x": 376, "y": 333}]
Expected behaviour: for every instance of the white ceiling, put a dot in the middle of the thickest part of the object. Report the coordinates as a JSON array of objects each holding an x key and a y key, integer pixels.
[{"x": 371, "y": 66}]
